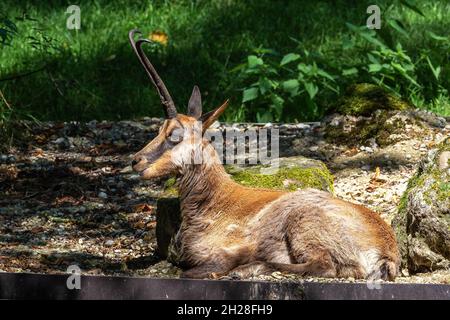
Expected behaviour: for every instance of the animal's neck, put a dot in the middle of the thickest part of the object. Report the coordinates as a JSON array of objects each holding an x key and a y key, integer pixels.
[{"x": 202, "y": 186}]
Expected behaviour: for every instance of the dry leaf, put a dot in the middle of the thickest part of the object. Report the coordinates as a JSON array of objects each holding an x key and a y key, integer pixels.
[
  {"x": 139, "y": 225},
  {"x": 377, "y": 173},
  {"x": 151, "y": 224},
  {"x": 143, "y": 207},
  {"x": 160, "y": 37},
  {"x": 375, "y": 180},
  {"x": 351, "y": 152}
]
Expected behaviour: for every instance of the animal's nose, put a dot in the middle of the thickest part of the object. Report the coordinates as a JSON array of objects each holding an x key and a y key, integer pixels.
[{"x": 134, "y": 162}]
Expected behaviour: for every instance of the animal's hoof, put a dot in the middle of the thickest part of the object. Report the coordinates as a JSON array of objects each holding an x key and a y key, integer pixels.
[{"x": 235, "y": 276}]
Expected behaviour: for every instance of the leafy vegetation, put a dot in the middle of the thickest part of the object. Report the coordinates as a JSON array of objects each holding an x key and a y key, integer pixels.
[
  {"x": 299, "y": 84},
  {"x": 273, "y": 68}
]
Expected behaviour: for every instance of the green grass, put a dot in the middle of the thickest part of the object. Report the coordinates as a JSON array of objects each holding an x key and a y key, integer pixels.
[{"x": 92, "y": 73}]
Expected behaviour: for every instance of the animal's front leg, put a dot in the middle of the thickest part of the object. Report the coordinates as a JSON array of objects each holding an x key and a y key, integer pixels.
[{"x": 203, "y": 271}]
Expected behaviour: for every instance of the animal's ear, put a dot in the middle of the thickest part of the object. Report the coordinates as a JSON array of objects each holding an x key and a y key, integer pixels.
[
  {"x": 195, "y": 103},
  {"x": 208, "y": 118}
]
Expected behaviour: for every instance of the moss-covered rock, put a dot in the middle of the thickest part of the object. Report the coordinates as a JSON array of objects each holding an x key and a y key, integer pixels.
[
  {"x": 422, "y": 224},
  {"x": 292, "y": 173},
  {"x": 383, "y": 127},
  {"x": 363, "y": 99}
]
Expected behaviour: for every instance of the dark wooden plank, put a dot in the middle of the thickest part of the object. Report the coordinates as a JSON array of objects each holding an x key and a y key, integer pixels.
[{"x": 41, "y": 286}]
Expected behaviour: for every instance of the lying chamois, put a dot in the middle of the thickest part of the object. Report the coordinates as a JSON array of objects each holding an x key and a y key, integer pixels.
[{"x": 228, "y": 229}]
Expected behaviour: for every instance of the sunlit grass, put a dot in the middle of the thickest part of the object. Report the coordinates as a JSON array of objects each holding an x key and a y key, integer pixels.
[{"x": 92, "y": 73}]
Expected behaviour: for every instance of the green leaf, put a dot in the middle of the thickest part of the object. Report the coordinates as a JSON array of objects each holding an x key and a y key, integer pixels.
[
  {"x": 277, "y": 101},
  {"x": 403, "y": 72},
  {"x": 264, "y": 85},
  {"x": 254, "y": 61},
  {"x": 238, "y": 67},
  {"x": 436, "y": 71},
  {"x": 347, "y": 44},
  {"x": 291, "y": 86},
  {"x": 372, "y": 39},
  {"x": 325, "y": 74},
  {"x": 289, "y": 58},
  {"x": 349, "y": 72},
  {"x": 375, "y": 67},
  {"x": 250, "y": 94},
  {"x": 398, "y": 26},
  {"x": 334, "y": 89},
  {"x": 437, "y": 37},
  {"x": 312, "y": 89},
  {"x": 277, "y": 106},
  {"x": 264, "y": 117},
  {"x": 373, "y": 59},
  {"x": 398, "y": 67},
  {"x": 412, "y": 7},
  {"x": 304, "y": 68},
  {"x": 354, "y": 28}
]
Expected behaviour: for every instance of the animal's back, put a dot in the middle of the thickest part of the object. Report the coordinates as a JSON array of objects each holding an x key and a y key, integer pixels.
[{"x": 304, "y": 224}]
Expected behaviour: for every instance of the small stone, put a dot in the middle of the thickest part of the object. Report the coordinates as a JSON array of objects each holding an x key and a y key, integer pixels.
[
  {"x": 303, "y": 126},
  {"x": 102, "y": 195},
  {"x": 109, "y": 243},
  {"x": 11, "y": 159}
]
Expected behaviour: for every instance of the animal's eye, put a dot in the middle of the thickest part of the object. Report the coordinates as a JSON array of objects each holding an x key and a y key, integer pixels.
[{"x": 176, "y": 136}]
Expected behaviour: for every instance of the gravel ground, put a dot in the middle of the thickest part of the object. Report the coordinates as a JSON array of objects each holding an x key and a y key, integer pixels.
[{"x": 68, "y": 196}]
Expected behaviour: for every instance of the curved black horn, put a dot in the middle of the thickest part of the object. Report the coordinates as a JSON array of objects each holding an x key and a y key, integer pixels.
[{"x": 164, "y": 95}]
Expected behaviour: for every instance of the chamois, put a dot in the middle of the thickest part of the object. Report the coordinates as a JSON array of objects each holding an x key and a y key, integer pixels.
[{"x": 229, "y": 229}]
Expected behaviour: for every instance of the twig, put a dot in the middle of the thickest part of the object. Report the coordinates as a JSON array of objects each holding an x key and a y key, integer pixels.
[
  {"x": 55, "y": 84},
  {"x": 4, "y": 100}
]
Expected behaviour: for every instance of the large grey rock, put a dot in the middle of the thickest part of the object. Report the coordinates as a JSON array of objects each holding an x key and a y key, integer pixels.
[
  {"x": 422, "y": 223},
  {"x": 293, "y": 173}
]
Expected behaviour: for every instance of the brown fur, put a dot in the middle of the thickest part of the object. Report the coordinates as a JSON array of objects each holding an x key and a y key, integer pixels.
[{"x": 231, "y": 229}]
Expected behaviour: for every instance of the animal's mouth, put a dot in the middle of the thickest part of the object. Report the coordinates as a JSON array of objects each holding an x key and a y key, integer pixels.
[
  {"x": 143, "y": 171},
  {"x": 141, "y": 166},
  {"x": 144, "y": 164}
]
